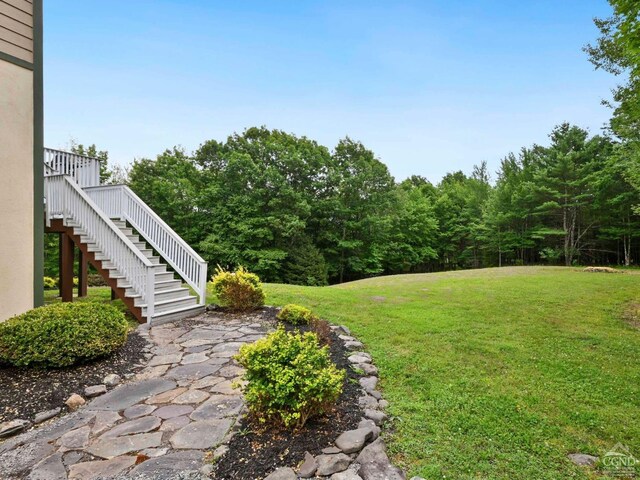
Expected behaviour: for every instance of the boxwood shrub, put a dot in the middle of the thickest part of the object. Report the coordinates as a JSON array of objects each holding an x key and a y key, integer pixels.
[
  {"x": 62, "y": 334},
  {"x": 239, "y": 290},
  {"x": 50, "y": 283},
  {"x": 295, "y": 314},
  {"x": 289, "y": 378}
]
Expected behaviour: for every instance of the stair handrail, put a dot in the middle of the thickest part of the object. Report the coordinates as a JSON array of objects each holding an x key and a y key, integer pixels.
[
  {"x": 65, "y": 198},
  {"x": 121, "y": 202},
  {"x": 83, "y": 168}
]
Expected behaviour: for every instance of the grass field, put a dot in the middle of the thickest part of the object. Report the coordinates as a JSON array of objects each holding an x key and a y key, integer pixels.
[{"x": 496, "y": 373}]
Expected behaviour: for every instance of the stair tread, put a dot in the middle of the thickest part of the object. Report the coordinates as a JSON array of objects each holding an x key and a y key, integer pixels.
[
  {"x": 161, "y": 292},
  {"x": 157, "y": 283},
  {"x": 164, "y": 302},
  {"x": 177, "y": 310}
]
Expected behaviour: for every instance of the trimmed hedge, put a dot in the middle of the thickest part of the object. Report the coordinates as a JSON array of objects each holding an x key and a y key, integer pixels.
[
  {"x": 62, "y": 334},
  {"x": 239, "y": 290},
  {"x": 289, "y": 378}
]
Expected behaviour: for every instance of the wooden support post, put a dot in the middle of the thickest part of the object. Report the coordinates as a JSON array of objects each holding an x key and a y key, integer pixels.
[
  {"x": 66, "y": 268},
  {"x": 113, "y": 294},
  {"x": 60, "y": 264},
  {"x": 82, "y": 274}
]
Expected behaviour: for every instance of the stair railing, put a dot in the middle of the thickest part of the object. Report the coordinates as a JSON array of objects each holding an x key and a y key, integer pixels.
[
  {"x": 85, "y": 170},
  {"x": 119, "y": 201},
  {"x": 66, "y": 200}
]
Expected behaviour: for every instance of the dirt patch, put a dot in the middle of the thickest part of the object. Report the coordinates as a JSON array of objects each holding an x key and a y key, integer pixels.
[
  {"x": 631, "y": 315},
  {"x": 602, "y": 270},
  {"x": 377, "y": 298},
  {"x": 24, "y": 392},
  {"x": 254, "y": 453}
]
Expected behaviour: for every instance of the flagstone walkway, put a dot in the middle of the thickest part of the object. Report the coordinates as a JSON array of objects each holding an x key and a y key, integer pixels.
[{"x": 157, "y": 426}]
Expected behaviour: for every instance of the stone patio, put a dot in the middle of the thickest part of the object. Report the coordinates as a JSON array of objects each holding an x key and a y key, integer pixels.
[{"x": 160, "y": 424}]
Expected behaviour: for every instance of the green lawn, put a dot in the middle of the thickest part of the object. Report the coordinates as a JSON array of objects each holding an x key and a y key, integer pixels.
[{"x": 496, "y": 373}]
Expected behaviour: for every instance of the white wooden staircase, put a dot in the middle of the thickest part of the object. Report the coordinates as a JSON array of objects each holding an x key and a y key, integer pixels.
[{"x": 155, "y": 272}]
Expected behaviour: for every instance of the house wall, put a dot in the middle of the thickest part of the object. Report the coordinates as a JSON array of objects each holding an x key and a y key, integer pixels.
[
  {"x": 16, "y": 191},
  {"x": 20, "y": 156},
  {"x": 16, "y": 29}
]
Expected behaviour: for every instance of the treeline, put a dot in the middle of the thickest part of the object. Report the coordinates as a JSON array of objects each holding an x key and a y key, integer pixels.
[{"x": 295, "y": 212}]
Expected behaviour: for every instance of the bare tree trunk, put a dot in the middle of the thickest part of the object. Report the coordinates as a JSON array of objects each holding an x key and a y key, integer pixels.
[
  {"x": 499, "y": 249},
  {"x": 627, "y": 244},
  {"x": 627, "y": 250},
  {"x": 565, "y": 227},
  {"x": 344, "y": 235}
]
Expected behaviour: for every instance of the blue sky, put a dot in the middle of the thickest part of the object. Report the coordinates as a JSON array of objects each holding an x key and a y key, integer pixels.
[{"x": 429, "y": 86}]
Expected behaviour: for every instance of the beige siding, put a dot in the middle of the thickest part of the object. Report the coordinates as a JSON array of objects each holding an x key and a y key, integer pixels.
[
  {"x": 16, "y": 29},
  {"x": 16, "y": 189}
]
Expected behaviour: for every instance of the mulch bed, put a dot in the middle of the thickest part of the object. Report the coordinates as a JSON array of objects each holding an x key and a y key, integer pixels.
[
  {"x": 24, "y": 392},
  {"x": 256, "y": 452}
]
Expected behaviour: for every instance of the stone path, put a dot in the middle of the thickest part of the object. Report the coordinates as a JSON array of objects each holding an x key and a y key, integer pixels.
[{"x": 157, "y": 426}]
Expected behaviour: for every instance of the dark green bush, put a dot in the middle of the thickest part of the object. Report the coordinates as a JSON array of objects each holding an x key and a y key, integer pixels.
[
  {"x": 289, "y": 378},
  {"x": 62, "y": 334},
  {"x": 305, "y": 264},
  {"x": 295, "y": 314},
  {"x": 96, "y": 280},
  {"x": 239, "y": 290}
]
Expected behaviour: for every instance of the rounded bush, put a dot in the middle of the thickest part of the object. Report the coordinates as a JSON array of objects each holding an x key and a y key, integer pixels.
[
  {"x": 50, "y": 283},
  {"x": 96, "y": 280},
  {"x": 239, "y": 290},
  {"x": 62, "y": 334},
  {"x": 289, "y": 378},
  {"x": 295, "y": 314}
]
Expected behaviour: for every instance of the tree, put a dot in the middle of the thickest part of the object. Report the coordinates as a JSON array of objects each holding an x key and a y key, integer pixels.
[
  {"x": 615, "y": 201},
  {"x": 170, "y": 185},
  {"x": 509, "y": 226},
  {"x": 305, "y": 264},
  {"x": 565, "y": 187},
  {"x": 413, "y": 233},
  {"x": 458, "y": 208},
  {"x": 92, "y": 151},
  {"x": 355, "y": 219},
  {"x": 110, "y": 174},
  {"x": 617, "y": 51},
  {"x": 262, "y": 199}
]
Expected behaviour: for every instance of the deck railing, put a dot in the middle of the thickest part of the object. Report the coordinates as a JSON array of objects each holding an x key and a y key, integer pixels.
[
  {"x": 66, "y": 200},
  {"x": 85, "y": 170},
  {"x": 119, "y": 201}
]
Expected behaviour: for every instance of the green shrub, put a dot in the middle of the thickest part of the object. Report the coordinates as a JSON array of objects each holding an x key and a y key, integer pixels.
[
  {"x": 239, "y": 290},
  {"x": 96, "y": 280},
  {"x": 62, "y": 334},
  {"x": 289, "y": 378},
  {"x": 305, "y": 264},
  {"x": 295, "y": 314},
  {"x": 51, "y": 283}
]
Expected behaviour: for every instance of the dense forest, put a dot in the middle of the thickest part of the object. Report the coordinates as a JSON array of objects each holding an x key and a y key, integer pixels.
[{"x": 295, "y": 211}]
